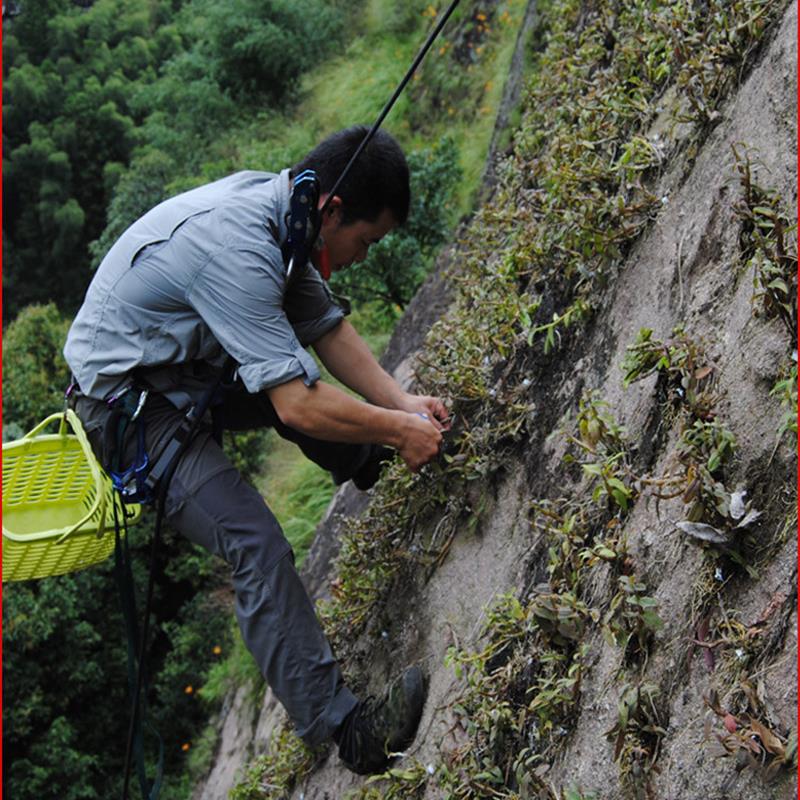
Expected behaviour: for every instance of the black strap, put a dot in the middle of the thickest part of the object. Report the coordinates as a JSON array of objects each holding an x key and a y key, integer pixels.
[
  {"x": 161, "y": 471},
  {"x": 137, "y": 667}
]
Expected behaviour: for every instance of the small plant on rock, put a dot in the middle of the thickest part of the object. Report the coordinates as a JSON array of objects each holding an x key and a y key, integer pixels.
[
  {"x": 602, "y": 442},
  {"x": 637, "y": 736},
  {"x": 631, "y": 618},
  {"x": 766, "y": 244},
  {"x": 272, "y": 776},
  {"x": 686, "y": 372},
  {"x": 748, "y": 739}
]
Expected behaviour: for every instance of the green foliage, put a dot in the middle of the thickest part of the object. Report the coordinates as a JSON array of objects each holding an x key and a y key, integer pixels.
[
  {"x": 259, "y": 48},
  {"x": 447, "y": 86},
  {"x": 785, "y": 389},
  {"x": 681, "y": 363},
  {"x": 33, "y": 777},
  {"x": 519, "y": 693},
  {"x": 631, "y": 618},
  {"x": 248, "y": 451},
  {"x": 367, "y": 560},
  {"x": 274, "y": 775},
  {"x": 716, "y": 516},
  {"x": 59, "y": 636},
  {"x": 298, "y": 492},
  {"x": 397, "y": 265},
  {"x": 522, "y": 687},
  {"x": 711, "y": 44},
  {"x": 197, "y": 637},
  {"x": 708, "y": 443},
  {"x": 304, "y": 506},
  {"x": 67, "y": 116},
  {"x": 234, "y": 667},
  {"x": 686, "y": 381},
  {"x": 606, "y": 452},
  {"x": 406, "y": 783},
  {"x": 35, "y": 374}
]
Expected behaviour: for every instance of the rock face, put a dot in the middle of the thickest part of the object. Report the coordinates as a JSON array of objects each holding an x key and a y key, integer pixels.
[{"x": 680, "y": 271}]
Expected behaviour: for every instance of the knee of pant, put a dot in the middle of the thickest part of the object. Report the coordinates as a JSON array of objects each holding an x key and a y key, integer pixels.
[
  {"x": 255, "y": 545},
  {"x": 230, "y": 518}
]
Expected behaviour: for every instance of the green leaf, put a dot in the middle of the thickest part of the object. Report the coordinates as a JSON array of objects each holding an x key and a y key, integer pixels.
[
  {"x": 621, "y": 499},
  {"x": 764, "y": 211},
  {"x": 778, "y": 283},
  {"x": 652, "y": 620}
]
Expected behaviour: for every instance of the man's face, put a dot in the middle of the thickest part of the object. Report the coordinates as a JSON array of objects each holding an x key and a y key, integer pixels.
[{"x": 348, "y": 243}]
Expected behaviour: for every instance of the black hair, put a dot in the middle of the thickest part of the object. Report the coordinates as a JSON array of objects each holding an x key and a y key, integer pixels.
[{"x": 378, "y": 179}]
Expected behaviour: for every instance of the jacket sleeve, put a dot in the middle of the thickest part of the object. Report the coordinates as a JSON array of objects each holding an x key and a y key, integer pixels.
[{"x": 239, "y": 295}]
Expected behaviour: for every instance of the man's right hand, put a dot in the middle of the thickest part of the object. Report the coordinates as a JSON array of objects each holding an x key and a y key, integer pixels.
[{"x": 421, "y": 442}]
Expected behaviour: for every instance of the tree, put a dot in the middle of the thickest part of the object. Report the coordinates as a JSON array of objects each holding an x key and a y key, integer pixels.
[
  {"x": 66, "y": 117},
  {"x": 35, "y": 373},
  {"x": 260, "y": 47}
]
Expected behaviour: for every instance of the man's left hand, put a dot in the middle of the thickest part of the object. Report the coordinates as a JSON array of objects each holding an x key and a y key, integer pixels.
[{"x": 431, "y": 407}]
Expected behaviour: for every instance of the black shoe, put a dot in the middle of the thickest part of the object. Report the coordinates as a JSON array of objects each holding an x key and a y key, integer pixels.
[
  {"x": 368, "y": 474},
  {"x": 374, "y": 729}
]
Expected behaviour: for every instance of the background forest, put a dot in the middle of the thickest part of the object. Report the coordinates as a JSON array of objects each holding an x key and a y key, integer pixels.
[{"x": 108, "y": 108}]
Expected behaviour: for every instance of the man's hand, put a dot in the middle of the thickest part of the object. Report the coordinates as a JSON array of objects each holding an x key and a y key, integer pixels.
[
  {"x": 411, "y": 424},
  {"x": 327, "y": 413},
  {"x": 431, "y": 407},
  {"x": 421, "y": 440}
]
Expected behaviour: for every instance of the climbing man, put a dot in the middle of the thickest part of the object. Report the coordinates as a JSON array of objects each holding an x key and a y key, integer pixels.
[{"x": 202, "y": 277}]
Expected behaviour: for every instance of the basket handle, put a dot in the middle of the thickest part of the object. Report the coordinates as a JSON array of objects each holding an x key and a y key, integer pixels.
[
  {"x": 70, "y": 417},
  {"x": 59, "y": 416}
]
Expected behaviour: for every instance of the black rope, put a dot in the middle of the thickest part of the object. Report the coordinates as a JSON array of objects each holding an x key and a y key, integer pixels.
[
  {"x": 135, "y": 739},
  {"x": 292, "y": 273},
  {"x": 388, "y": 107}
]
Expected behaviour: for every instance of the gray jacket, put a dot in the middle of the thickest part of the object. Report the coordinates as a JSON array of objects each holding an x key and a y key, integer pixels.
[{"x": 200, "y": 275}]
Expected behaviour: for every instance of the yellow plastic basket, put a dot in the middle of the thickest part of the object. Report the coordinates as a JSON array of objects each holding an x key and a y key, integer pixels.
[{"x": 58, "y": 503}]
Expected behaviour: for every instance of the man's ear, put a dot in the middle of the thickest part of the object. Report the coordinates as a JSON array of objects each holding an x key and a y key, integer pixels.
[{"x": 334, "y": 207}]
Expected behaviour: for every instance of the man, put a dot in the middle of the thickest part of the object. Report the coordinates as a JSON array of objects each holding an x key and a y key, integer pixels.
[{"x": 202, "y": 276}]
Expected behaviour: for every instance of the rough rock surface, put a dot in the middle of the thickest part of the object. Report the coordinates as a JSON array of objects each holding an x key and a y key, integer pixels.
[{"x": 682, "y": 270}]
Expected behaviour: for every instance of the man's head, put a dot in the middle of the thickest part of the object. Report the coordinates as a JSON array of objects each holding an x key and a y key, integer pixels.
[
  {"x": 373, "y": 198},
  {"x": 377, "y": 181}
]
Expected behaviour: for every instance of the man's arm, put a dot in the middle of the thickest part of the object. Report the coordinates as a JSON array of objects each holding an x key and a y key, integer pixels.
[
  {"x": 328, "y": 413},
  {"x": 349, "y": 359}
]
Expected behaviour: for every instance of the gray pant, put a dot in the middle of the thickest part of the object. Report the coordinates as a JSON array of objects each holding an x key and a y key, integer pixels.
[{"x": 210, "y": 504}]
